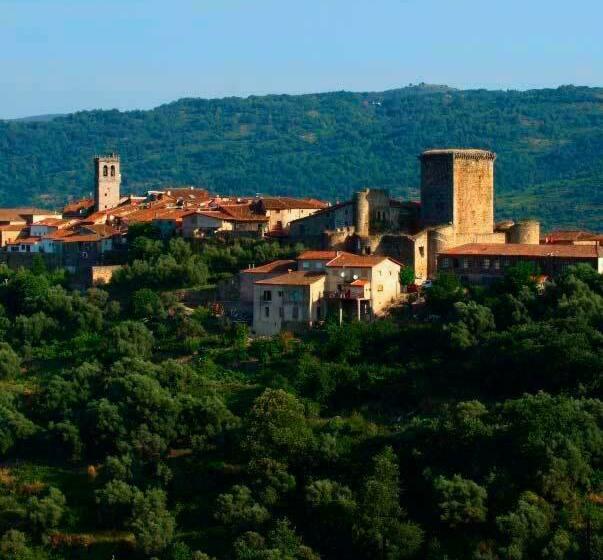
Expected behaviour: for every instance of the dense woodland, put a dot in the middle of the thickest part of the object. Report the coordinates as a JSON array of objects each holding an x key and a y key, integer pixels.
[
  {"x": 549, "y": 144},
  {"x": 468, "y": 428}
]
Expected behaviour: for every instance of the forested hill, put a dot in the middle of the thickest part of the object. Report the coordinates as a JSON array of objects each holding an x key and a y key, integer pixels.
[{"x": 549, "y": 145}]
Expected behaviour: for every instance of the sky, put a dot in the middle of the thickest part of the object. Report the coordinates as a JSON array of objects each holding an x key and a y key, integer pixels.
[{"x": 59, "y": 56}]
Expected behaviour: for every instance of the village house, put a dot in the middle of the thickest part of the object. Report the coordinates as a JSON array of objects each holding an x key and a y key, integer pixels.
[
  {"x": 235, "y": 219},
  {"x": 344, "y": 285},
  {"x": 484, "y": 263},
  {"x": 282, "y": 210},
  {"x": 290, "y": 301},
  {"x": 251, "y": 275}
]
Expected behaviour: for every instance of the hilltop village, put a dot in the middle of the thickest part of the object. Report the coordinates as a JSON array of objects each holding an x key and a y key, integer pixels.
[{"x": 361, "y": 255}]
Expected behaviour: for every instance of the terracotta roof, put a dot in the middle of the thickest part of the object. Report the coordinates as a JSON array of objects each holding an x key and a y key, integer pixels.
[
  {"x": 559, "y": 236},
  {"x": 320, "y": 255},
  {"x": 285, "y": 202},
  {"x": 524, "y": 250},
  {"x": 82, "y": 238},
  {"x": 242, "y": 213},
  {"x": 295, "y": 278},
  {"x": 78, "y": 205},
  {"x": 15, "y": 213},
  {"x": 14, "y": 227},
  {"x": 53, "y": 222},
  {"x": 356, "y": 261},
  {"x": 100, "y": 229},
  {"x": 359, "y": 282},
  {"x": 58, "y": 234},
  {"x": 24, "y": 241},
  {"x": 231, "y": 213},
  {"x": 325, "y": 210},
  {"x": 274, "y": 266}
]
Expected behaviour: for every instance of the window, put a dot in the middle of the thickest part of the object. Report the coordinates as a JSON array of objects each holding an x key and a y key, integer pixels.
[
  {"x": 305, "y": 265},
  {"x": 266, "y": 311},
  {"x": 466, "y": 263},
  {"x": 295, "y": 313},
  {"x": 105, "y": 171},
  {"x": 112, "y": 171},
  {"x": 496, "y": 264},
  {"x": 380, "y": 288},
  {"x": 281, "y": 312},
  {"x": 486, "y": 264},
  {"x": 267, "y": 295},
  {"x": 422, "y": 251},
  {"x": 280, "y": 293},
  {"x": 446, "y": 263}
]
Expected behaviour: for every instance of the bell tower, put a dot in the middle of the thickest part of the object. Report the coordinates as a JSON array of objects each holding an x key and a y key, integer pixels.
[{"x": 107, "y": 181}]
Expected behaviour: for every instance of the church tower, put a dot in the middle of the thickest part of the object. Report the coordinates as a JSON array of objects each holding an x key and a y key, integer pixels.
[{"x": 107, "y": 182}]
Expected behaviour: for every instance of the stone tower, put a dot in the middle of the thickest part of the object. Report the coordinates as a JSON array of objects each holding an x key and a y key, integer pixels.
[
  {"x": 361, "y": 213},
  {"x": 107, "y": 182},
  {"x": 457, "y": 188}
]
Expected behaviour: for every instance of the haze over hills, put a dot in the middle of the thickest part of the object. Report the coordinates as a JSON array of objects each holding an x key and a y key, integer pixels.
[{"x": 549, "y": 145}]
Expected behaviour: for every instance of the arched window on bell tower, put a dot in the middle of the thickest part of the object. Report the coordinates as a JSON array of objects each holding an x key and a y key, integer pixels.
[
  {"x": 105, "y": 171},
  {"x": 112, "y": 171}
]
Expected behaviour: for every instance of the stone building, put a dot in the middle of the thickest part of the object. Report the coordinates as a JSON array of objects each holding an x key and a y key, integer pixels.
[
  {"x": 107, "y": 182},
  {"x": 456, "y": 208}
]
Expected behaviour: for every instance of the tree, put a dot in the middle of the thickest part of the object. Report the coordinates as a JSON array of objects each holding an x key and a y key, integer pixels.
[
  {"x": 129, "y": 339},
  {"x": 239, "y": 511},
  {"x": 407, "y": 276},
  {"x": 46, "y": 513},
  {"x": 445, "y": 291},
  {"x": 277, "y": 427},
  {"x": 380, "y": 527},
  {"x": 461, "y": 501},
  {"x": 10, "y": 362},
  {"x": 152, "y": 523},
  {"x": 13, "y": 546}
]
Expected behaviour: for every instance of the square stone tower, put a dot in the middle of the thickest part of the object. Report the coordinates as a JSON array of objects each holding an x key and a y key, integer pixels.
[
  {"x": 106, "y": 182},
  {"x": 457, "y": 188}
]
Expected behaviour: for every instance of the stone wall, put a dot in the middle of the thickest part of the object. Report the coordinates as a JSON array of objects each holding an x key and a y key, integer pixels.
[
  {"x": 473, "y": 195},
  {"x": 100, "y": 275}
]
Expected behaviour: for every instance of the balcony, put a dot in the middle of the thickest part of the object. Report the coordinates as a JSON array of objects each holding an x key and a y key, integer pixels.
[{"x": 349, "y": 292}]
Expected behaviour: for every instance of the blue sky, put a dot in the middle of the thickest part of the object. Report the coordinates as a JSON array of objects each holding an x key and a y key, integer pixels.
[{"x": 67, "y": 55}]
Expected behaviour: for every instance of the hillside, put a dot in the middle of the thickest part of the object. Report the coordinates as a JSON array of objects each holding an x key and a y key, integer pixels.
[{"x": 549, "y": 143}]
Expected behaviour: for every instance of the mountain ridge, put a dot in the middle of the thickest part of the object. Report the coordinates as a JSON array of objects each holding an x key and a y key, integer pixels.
[{"x": 549, "y": 144}]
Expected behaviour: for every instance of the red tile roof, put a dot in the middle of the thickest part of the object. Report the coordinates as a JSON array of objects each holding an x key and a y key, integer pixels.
[
  {"x": 570, "y": 236},
  {"x": 285, "y": 202},
  {"x": 356, "y": 261},
  {"x": 295, "y": 278},
  {"x": 274, "y": 266},
  {"x": 320, "y": 255},
  {"x": 24, "y": 241},
  {"x": 359, "y": 282},
  {"x": 525, "y": 250},
  {"x": 79, "y": 205}
]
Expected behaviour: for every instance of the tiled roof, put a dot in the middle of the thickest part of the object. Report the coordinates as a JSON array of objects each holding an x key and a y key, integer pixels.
[
  {"x": 525, "y": 250},
  {"x": 320, "y": 255},
  {"x": 285, "y": 202},
  {"x": 78, "y": 206},
  {"x": 559, "y": 236},
  {"x": 13, "y": 227},
  {"x": 24, "y": 241},
  {"x": 58, "y": 234},
  {"x": 294, "y": 278},
  {"x": 53, "y": 222},
  {"x": 100, "y": 229},
  {"x": 359, "y": 282},
  {"x": 356, "y": 261},
  {"x": 242, "y": 213},
  {"x": 82, "y": 238},
  {"x": 17, "y": 213},
  {"x": 274, "y": 266}
]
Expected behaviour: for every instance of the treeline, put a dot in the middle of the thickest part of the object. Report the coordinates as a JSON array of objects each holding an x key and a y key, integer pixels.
[
  {"x": 325, "y": 145},
  {"x": 470, "y": 427}
]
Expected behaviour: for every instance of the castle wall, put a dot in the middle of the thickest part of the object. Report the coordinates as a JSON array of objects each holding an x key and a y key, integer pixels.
[
  {"x": 527, "y": 232},
  {"x": 437, "y": 201},
  {"x": 473, "y": 195}
]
